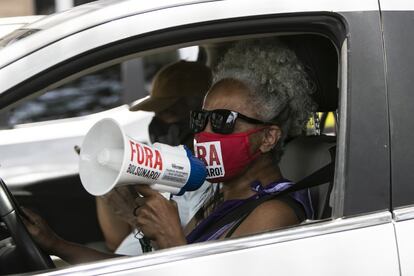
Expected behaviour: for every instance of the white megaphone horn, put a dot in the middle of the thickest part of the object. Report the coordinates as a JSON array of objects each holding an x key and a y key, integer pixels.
[{"x": 110, "y": 158}]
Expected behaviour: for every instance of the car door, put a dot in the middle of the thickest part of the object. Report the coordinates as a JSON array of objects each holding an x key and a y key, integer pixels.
[
  {"x": 359, "y": 237},
  {"x": 398, "y": 42}
]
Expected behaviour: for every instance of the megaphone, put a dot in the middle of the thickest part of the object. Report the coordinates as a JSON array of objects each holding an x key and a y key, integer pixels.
[{"x": 110, "y": 158}]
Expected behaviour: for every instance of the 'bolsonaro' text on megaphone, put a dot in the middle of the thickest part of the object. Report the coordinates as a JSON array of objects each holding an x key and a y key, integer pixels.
[{"x": 110, "y": 158}]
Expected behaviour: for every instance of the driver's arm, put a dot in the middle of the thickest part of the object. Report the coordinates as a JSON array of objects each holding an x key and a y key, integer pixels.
[
  {"x": 74, "y": 253},
  {"x": 54, "y": 245}
]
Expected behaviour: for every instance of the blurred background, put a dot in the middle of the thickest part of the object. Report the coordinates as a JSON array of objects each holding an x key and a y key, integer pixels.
[
  {"x": 84, "y": 92},
  {"x": 99, "y": 91},
  {"x": 35, "y": 7}
]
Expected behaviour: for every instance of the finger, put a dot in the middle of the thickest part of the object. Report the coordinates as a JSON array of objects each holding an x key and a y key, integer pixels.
[
  {"x": 146, "y": 232},
  {"x": 22, "y": 213},
  {"x": 29, "y": 215},
  {"x": 135, "y": 212},
  {"x": 140, "y": 218},
  {"x": 121, "y": 193},
  {"x": 140, "y": 201},
  {"x": 32, "y": 229},
  {"x": 26, "y": 222},
  {"x": 146, "y": 191},
  {"x": 127, "y": 194},
  {"x": 120, "y": 197},
  {"x": 144, "y": 213},
  {"x": 132, "y": 191},
  {"x": 137, "y": 215},
  {"x": 30, "y": 226}
]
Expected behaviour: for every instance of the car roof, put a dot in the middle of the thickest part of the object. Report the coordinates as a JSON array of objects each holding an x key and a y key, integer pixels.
[
  {"x": 83, "y": 17},
  {"x": 60, "y": 25},
  {"x": 99, "y": 12}
]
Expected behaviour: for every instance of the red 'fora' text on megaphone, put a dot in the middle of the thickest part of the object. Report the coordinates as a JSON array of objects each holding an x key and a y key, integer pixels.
[{"x": 145, "y": 156}]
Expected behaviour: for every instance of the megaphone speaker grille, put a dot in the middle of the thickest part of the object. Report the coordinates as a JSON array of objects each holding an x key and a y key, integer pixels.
[{"x": 96, "y": 178}]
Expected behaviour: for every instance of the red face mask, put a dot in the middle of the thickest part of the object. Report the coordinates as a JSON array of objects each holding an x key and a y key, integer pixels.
[{"x": 225, "y": 155}]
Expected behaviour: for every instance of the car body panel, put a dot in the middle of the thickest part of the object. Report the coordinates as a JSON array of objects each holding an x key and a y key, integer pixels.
[
  {"x": 396, "y": 5},
  {"x": 397, "y": 20},
  {"x": 325, "y": 248},
  {"x": 398, "y": 41},
  {"x": 404, "y": 227},
  {"x": 404, "y": 233},
  {"x": 366, "y": 95}
]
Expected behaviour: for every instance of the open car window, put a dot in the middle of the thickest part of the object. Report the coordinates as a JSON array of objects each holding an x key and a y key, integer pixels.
[
  {"x": 96, "y": 92},
  {"x": 105, "y": 89}
]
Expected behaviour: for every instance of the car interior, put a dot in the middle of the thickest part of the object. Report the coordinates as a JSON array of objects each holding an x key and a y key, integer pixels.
[{"x": 71, "y": 211}]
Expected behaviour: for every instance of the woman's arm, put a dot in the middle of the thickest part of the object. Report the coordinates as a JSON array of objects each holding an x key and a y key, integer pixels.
[{"x": 270, "y": 215}]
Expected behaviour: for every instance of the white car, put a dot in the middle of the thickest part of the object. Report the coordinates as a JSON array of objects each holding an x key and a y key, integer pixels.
[{"x": 359, "y": 51}]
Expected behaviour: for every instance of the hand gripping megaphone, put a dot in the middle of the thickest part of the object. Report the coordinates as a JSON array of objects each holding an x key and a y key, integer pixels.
[{"x": 110, "y": 158}]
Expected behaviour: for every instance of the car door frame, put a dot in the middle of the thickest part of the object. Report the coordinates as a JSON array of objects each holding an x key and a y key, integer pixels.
[{"x": 398, "y": 41}]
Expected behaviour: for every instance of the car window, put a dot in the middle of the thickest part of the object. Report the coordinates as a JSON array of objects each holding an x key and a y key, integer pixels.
[
  {"x": 89, "y": 94},
  {"x": 96, "y": 92}
]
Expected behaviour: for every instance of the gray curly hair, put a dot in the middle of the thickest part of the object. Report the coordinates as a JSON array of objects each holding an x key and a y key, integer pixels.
[{"x": 277, "y": 82}]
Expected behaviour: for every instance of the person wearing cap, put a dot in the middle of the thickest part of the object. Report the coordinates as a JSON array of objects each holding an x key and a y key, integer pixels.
[{"x": 177, "y": 88}]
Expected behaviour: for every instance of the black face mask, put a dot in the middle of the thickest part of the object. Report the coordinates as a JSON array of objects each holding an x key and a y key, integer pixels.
[{"x": 173, "y": 134}]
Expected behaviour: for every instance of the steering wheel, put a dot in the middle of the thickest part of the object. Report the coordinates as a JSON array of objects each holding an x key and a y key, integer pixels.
[{"x": 25, "y": 248}]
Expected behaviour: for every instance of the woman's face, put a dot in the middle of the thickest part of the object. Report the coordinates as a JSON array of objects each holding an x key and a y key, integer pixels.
[
  {"x": 231, "y": 97},
  {"x": 235, "y": 96}
]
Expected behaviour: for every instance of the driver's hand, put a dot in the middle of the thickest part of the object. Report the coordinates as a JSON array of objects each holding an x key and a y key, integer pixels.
[{"x": 40, "y": 231}]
